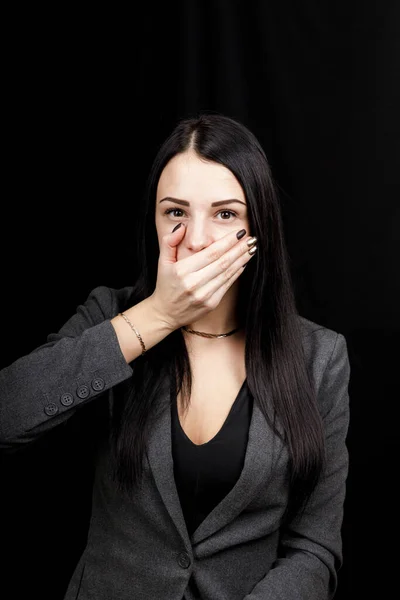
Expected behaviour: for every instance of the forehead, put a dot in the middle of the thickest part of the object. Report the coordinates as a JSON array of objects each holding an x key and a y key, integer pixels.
[{"x": 187, "y": 173}]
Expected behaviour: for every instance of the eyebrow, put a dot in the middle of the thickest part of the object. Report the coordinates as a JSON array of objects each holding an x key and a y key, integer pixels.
[{"x": 186, "y": 203}]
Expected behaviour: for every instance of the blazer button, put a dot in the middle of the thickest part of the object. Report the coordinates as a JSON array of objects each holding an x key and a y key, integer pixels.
[
  {"x": 98, "y": 384},
  {"x": 184, "y": 560},
  {"x": 51, "y": 409},
  {"x": 83, "y": 391},
  {"x": 67, "y": 399}
]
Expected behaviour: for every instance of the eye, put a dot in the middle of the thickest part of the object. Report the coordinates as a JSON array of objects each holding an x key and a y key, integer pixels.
[
  {"x": 227, "y": 212},
  {"x": 221, "y": 212},
  {"x": 170, "y": 210}
]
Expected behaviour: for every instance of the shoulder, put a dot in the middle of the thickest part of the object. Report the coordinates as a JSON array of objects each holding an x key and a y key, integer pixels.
[
  {"x": 107, "y": 301},
  {"x": 326, "y": 354},
  {"x": 102, "y": 303},
  {"x": 319, "y": 341}
]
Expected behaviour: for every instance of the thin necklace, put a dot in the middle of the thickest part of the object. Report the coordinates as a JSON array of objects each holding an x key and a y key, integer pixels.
[{"x": 210, "y": 335}]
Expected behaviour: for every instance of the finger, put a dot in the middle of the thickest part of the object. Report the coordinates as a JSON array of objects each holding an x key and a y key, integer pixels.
[
  {"x": 223, "y": 279},
  {"x": 212, "y": 253},
  {"x": 169, "y": 244},
  {"x": 222, "y": 268}
]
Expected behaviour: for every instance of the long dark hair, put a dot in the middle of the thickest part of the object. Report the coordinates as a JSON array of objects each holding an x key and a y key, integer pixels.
[{"x": 275, "y": 363}]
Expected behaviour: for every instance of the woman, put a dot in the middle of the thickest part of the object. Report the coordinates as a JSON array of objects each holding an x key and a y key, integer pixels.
[{"x": 220, "y": 413}]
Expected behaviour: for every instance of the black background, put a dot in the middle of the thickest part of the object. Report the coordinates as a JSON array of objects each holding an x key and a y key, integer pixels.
[{"x": 88, "y": 96}]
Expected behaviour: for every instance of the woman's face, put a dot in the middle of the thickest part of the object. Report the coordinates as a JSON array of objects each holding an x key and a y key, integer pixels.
[{"x": 205, "y": 196}]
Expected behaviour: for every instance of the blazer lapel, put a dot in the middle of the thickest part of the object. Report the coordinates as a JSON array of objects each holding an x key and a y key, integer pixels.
[
  {"x": 257, "y": 468},
  {"x": 159, "y": 453}
]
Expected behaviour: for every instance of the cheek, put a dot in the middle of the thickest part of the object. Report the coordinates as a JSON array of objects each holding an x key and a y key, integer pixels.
[
  {"x": 162, "y": 228},
  {"x": 160, "y": 225}
]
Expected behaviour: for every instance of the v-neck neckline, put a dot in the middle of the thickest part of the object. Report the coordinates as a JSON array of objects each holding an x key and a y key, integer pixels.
[{"x": 223, "y": 426}]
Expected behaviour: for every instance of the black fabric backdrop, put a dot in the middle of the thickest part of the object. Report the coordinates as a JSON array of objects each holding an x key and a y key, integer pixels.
[{"x": 89, "y": 96}]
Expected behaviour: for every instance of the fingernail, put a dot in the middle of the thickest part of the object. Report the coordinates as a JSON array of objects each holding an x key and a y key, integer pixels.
[
  {"x": 251, "y": 241},
  {"x": 240, "y": 234},
  {"x": 176, "y": 227}
]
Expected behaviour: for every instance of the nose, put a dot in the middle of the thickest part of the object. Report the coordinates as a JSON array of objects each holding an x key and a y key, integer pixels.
[{"x": 197, "y": 236}]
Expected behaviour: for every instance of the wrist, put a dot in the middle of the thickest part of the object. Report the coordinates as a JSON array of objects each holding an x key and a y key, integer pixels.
[{"x": 159, "y": 315}]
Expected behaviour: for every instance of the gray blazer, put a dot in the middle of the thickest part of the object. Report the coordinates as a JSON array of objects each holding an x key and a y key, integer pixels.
[{"x": 138, "y": 548}]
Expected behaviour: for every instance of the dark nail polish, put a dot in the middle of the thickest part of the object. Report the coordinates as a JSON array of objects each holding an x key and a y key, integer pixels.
[
  {"x": 240, "y": 234},
  {"x": 176, "y": 227}
]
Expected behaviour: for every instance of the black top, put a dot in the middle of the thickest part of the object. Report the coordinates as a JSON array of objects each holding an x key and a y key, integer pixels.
[{"x": 205, "y": 473}]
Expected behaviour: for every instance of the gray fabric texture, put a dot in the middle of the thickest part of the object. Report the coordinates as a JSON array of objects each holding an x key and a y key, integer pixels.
[{"x": 138, "y": 547}]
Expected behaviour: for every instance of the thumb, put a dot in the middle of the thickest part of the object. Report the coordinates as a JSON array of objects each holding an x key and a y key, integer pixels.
[{"x": 170, "y": 241}]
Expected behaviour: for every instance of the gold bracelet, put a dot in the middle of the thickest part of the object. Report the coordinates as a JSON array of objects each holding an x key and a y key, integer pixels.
[{"x": 135, "y": 330}]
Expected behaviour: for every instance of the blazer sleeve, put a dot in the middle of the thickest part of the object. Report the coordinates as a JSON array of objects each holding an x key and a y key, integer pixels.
[
  {"x": 311, "y": 547},
  {"x": 75, "y": 366}
]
